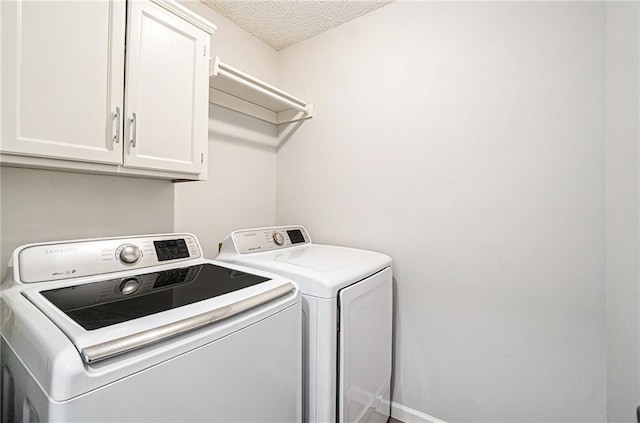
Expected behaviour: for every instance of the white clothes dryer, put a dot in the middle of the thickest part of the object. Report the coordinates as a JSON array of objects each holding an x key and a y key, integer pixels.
[{"x": 347, "y": 318}]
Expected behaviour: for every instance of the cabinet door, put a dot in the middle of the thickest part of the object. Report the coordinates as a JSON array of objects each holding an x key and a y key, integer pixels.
[
  {"x": 166, "y": 98},
  {"x": 62, "y": 79}
]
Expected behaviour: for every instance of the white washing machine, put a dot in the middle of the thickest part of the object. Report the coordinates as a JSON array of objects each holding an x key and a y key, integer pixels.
[
  {"x": 347, "y": 313},
  {"x": 144, "y": 329}
]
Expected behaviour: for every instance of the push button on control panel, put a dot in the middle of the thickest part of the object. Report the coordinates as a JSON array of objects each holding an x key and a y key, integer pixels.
[{"x": 193, "y": 250}]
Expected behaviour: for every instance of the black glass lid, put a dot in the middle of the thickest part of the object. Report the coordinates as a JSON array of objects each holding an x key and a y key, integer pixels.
[{"x": 99, "y": 304}]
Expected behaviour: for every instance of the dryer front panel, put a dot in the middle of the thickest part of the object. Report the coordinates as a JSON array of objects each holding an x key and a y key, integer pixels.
[{"x": 364, "y": 349}]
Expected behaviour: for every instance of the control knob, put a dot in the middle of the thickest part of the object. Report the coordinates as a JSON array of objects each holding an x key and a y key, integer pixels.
[
  {"x": 278, "y": 238},
  {"x": 129, "y": 253}
]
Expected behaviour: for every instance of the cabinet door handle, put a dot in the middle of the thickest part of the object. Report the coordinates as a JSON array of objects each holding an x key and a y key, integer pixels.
[
  {"x": 133, "y": 130},
  {"x": 116, "y": 137}
]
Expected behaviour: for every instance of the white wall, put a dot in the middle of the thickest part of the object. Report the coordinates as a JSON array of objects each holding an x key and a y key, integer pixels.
[
  {"x": 466, "y": 140},
  {"x": 43, "y": 205},
  {"x": 623, "y": 135},
  {"x": 241, "y": 190}
]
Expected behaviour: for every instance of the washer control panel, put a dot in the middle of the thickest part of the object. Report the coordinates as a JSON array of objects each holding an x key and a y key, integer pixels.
[
  {"x": 47, "y": 262},
  {"x": 268, "y": 239}
]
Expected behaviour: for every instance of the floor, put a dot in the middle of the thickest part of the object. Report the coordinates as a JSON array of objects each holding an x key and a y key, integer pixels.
[{"x": 392, "y": 420}]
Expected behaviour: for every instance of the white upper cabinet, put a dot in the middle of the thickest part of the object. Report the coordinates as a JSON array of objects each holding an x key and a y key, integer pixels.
[
  {"x": 167, "y": 91},
  {"x": 72, "y": 99},
  {"x": 62, "y": 79}
]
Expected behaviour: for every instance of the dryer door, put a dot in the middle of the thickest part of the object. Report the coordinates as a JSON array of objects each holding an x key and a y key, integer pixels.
[{"x": 364, "y": 349}]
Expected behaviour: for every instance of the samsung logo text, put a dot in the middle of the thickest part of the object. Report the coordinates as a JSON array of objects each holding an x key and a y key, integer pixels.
[{"x": 60, "y": 250}]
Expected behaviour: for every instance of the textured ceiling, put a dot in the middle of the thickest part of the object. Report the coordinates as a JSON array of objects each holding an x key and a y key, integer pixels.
[{"x": 281, "y": 23}]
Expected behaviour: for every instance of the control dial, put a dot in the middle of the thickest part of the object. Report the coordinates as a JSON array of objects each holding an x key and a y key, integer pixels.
[
  {"x": 278, "y": 238},
  {"x": 129, "y": 253}
]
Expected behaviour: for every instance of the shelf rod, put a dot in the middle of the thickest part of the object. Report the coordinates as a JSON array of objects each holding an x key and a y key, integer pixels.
[{"x": 226, "y": 74}]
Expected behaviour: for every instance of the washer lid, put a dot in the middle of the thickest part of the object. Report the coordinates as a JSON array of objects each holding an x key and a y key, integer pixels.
[
  {"x": 106, "y": 318},
  {"x": 319, "y": 270},
  {"x": 99, "y": 304}
]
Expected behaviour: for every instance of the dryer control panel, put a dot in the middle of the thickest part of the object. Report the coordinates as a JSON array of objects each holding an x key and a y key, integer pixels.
[{"x": 268, "y": 239}]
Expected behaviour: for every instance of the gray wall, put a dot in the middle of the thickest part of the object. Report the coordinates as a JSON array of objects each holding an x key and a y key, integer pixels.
[
  {"x": 623, "y": 135},
  {"x": 43, "y": 205},
  {"x": 241, "y": 190},
  {"x": 467, "y": 141}
]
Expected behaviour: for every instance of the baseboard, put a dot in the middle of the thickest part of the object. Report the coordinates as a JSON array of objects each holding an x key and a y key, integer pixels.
[{"x": 409, "y": 415}]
